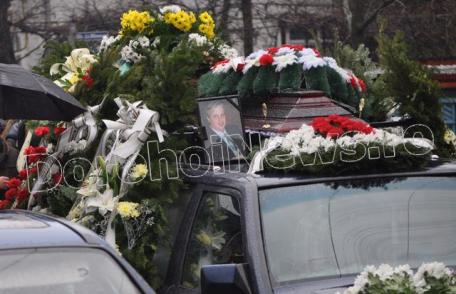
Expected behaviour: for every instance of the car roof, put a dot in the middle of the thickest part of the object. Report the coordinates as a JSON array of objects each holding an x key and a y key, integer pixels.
[
  {"x": 26, "y": 229},
  {"x": 238, "y": 175}
]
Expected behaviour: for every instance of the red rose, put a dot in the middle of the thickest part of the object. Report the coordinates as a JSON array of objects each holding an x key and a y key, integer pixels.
[
  {"x": 22, "y": 195},
  {"x": 23, "y": 174},
  {"x": 10, "y": 194},
  {"x": 240, "y": 67},
  {"x": 4, "y": 204},
  {"x": 58, "y": 130},
  {"x": 317, "y": 53},
  {"x": 42, "y": 131},
  {"x": 272, "y": 50},
  {"x": 29, "y": 150},
  {"x": 266, "y": 59},
  {"x": 13, "y": 183}
]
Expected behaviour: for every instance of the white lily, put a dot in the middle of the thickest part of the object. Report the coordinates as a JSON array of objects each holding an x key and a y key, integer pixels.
[{"x": 103, "y": 201}]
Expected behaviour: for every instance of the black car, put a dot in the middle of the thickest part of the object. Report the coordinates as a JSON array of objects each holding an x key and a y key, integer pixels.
[
  {"x": 290, "y": 233},
  {"x": 40, "y": 254}
]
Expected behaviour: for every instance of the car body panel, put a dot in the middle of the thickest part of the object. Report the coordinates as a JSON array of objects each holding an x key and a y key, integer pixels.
[{"x": 246, "y": 188}]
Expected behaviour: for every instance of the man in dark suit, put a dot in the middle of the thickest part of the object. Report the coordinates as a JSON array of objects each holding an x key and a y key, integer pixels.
[{"x": 225, "y": 140}]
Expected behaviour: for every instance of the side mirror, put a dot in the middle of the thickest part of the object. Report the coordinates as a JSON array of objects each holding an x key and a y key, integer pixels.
[{"x": 225, "y": 279}]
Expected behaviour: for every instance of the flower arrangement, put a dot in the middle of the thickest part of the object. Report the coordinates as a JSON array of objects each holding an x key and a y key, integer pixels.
[
  {"x": 336, "y": 145},
  {"x": 76, "y": 68},
  {"x": 429, "y": 278},
  {"x": 134, "y": 22},
  {"x": 289, "y": 67}
]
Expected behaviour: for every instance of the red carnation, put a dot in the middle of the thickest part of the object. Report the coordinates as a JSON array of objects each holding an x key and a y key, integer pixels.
[
  {"x": 22, "y": 195},
  {"x": 266, "y": 59},
  {"x": 58, "y": 130},
  {"x": 13, "y": 183},
  {"x": 4, "y": 204},
  {"x": 23, "y": 174},
  {"x": 272, "y": 50},
  {"x": 42, "y": 131},
  {"x": 10, "y": 194}
]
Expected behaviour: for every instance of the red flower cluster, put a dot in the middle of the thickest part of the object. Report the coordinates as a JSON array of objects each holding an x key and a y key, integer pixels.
[
  {"x": 42, "y": 131},
  {"x": 336, "y": 125},
  {"x": 266, "y": 59},
  {"x": 358, "y": 84},
  {"x": 14, "y": 192},
  {"x": 35, "y": 153},
  {"x": 88, "y": 79},
  {"x": 272, "y": 50},
  {"x": 25, "y": 173},
  {"x": 58, "y": 130}
]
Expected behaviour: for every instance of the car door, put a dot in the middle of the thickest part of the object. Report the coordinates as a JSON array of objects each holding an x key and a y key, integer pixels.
[{"x": 211, "y": 234}]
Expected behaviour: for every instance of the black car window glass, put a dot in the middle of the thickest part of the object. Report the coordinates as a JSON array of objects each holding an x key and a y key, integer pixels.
[
  {"x": 62, "y": 271},
  {"x": 216, "y": 236},
  {"x": 326, "y": 230}
]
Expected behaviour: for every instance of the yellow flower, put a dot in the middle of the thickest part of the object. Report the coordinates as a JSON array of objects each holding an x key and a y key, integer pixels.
[
  {"x": 192, "y": 18},
  {"x": 206, "y": 18},
  {"x": 128, "y": 209},
  {"x": 181, "y": 20},
  {"x": 207, "y": 29},
  {"x": 136, "y": 21},
  {"x": 73, "y": 79},
  {"x": 139, "y": 171}
]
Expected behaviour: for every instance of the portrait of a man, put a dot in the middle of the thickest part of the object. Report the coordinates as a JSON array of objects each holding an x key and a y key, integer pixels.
[{"x": 224, "y": 131}]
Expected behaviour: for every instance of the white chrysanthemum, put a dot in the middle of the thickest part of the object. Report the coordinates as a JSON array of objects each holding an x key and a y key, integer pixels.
[
  {"x": 283, "y": 61},
  {"x": 307, "y": 52},
  {"x": 310, "y": 61},
  {"x": 128, "y": 54},
  {"x": 437, "y": 270},
  {"x": 228, "y": 52},
  {"x": 170, "y": 8},
  {"x": 144, "y": 41},
  {"x": 197, "y": 39},
  {"x": 107, "y": 41},
  {"x": 284, "y": 51}
]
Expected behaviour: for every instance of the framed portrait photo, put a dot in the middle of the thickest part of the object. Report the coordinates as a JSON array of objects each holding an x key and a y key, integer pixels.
[{"x": 220, "y": 118}]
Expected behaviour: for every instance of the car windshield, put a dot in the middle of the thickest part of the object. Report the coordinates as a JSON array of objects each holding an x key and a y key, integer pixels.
[
  {"x": 61, "y": 271},
  {"x": 334, "y": 229}
]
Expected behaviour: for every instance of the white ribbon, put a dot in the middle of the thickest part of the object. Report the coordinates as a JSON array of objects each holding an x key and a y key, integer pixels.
[{"x": 269, "y": 145}]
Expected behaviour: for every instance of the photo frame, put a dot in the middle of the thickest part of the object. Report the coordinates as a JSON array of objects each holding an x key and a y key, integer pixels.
[{"x": 222, "y": 129}]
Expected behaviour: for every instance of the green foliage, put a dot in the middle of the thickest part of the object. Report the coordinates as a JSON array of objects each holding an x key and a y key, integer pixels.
[
  {"x": 412, "y": 87},
  {"x": 245, "y": 85},
  {"x": 229, "y": 84},
  {"x": 291, "y": 77},
  {"x": 339, "y": 87},
  {"x": 55, "y": 52},
  {"x": 266, "y": 81},
  {"x": 317, "y": 79}
]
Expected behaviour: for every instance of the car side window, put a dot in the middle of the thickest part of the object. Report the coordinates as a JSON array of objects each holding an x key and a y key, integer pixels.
[{"x": 216, "y": 236}]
